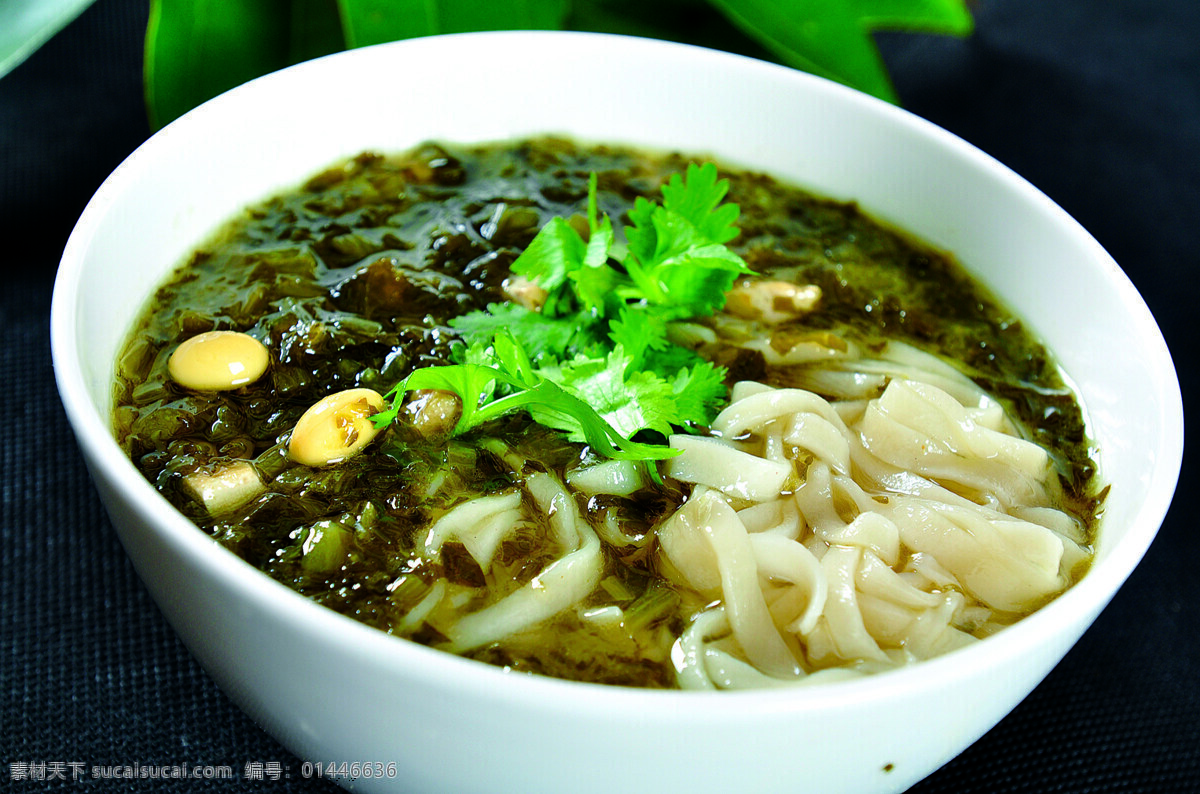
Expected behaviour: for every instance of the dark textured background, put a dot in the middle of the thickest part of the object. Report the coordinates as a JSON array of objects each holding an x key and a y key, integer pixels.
[{"x": 1097, "y": 102}]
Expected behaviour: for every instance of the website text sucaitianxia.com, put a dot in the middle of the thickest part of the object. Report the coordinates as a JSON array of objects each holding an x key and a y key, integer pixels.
[{"x": 48, "y": 771}]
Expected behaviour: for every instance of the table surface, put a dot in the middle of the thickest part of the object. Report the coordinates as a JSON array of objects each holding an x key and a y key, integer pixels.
[{"x": 1097, "y": 102}]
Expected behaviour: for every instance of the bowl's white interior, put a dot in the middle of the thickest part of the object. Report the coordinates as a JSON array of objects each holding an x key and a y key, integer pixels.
[{"x": 274, "y": 132}]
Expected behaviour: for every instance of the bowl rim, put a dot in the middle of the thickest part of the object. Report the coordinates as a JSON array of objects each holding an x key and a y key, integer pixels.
[{"x": 1086, "y": 597}]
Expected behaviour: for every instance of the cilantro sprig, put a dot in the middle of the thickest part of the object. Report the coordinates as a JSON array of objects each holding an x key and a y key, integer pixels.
[
  {"x": 676, "y": 261},
  {"x": 596, "y": 362},
  {"x": 501, "y": 380}
]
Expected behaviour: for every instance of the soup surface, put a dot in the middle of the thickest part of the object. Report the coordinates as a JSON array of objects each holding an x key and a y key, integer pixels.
[{"x": 926, "y": 477}]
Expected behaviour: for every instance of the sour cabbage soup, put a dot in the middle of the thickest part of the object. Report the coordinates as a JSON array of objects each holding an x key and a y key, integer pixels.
[{"x": 874, "y": 461}]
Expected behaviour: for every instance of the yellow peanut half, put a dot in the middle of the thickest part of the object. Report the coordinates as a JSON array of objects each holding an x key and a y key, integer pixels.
[
  {"x": 218, "y": 361},
  {"x": 336, "y": 428}
]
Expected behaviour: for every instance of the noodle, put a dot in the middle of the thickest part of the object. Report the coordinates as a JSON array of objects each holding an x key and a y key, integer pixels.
[
  {"x": 899, "y": 471},
  {"x": 870, "y": 600}
]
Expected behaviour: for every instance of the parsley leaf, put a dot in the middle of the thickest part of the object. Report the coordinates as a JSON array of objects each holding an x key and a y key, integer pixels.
[
  {"x": 640, "y": 333},
  {"x": 508, "y": 382},
  {"x": 540, "y": 335},
  {"x": 698, "y": 391},
  {"x": 596, "y": 362},
  {"x": 677, "y": 257},
  {"x": 628, "y": 399},
  {"x": 574, "y": 272},
  {"x": 699, "y": 203}
]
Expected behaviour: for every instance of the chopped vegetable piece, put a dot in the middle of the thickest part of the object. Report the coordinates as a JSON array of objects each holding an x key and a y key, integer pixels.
[{"x": 225, "y": 489}]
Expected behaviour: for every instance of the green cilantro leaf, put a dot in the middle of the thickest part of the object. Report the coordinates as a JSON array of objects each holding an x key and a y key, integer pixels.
[
  {"x": 596, "y": 362},
  {"x": 540, "y": 335},
  {"x": 639, "y": 332},
  {"x": 508, "y": 382},
  {"x": 574, "y": 272},
  {"x": 473, "y": 383},
  {"x": 698, "y": 201},
  {"x": 668, "y": 361},
  {"x": 693, "y": 283},
  {"x": 552, "y": 255},
  {"x": 677, "y": 257},
  {"x": 699, "y": 391},
  {"x": 628, "y": 399}
]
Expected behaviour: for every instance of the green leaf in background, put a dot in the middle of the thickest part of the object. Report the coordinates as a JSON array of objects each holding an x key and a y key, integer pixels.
[
  {"x": 685, "y": 21},
  {"x": 832, "y": 38},
  {"x": 196, "y": 49},
  {"x": 316, "y": 29},
  {"x": 376, "y": 21},
  {"x": 26, "y": 25}
]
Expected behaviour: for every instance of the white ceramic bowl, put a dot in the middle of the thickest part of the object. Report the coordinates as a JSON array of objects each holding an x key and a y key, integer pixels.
[{"x": 331, "y": 689}]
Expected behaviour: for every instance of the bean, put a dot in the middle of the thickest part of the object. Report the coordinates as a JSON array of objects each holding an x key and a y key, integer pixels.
[
  {"x": 336, "y": 428},
  {"x": 218, "y": 361}
]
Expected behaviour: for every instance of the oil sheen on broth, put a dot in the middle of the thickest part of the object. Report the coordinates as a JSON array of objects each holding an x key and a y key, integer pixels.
[{"x": 350, "y": 281}]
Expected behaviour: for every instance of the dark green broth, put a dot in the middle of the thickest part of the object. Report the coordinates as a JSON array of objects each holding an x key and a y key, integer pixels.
[{"x": 351, "y": 280}]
